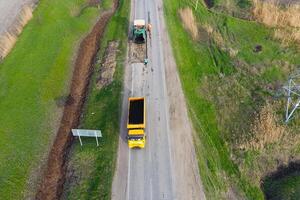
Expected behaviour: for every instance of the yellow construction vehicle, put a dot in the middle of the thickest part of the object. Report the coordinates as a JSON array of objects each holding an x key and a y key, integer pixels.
[{"x": 136, "y": 122}]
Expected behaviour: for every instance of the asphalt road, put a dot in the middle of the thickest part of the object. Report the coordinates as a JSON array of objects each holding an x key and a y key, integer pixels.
[
  {"x": 150, "y": 173},
  {"x": 9, "y": 10}
]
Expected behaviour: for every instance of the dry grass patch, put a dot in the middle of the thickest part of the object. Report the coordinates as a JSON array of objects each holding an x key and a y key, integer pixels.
[
  {"x": 271, "y": 14},
  {"x": 220, "y": 41},
  {"x": 215, "y": 34},
  {"x": 189, "y": 22},
  {"x": 265, "y": 129},
  {"x": 286, "y": 19},
  {"x": 287, "y": 36},
  {"x": 9, "y": 38},
  {"x": 75, "y": 10}
]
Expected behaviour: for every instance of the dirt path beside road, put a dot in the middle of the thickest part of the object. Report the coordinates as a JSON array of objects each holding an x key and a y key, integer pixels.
[{"x": 54, "y": 177}]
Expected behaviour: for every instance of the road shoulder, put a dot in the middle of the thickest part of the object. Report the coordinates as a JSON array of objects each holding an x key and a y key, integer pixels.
[{"x": 186, "y": 171}]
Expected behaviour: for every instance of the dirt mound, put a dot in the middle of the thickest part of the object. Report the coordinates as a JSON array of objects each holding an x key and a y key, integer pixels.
[
  {"x": 137, "y": 52},
  {"x": 51, "y": 186},
  {"x": 108, "y": 66}
]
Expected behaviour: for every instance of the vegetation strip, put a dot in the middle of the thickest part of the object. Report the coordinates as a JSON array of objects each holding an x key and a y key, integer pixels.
[
  {"x": 54, "y": 177},
  {"x": 91, "y": 168},
  {"x": 231, "y": 71},
  {"x": 34, "y": 79}
]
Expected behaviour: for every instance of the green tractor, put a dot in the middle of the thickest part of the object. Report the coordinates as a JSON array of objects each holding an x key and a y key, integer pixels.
[{"x": 139, "y": 31}]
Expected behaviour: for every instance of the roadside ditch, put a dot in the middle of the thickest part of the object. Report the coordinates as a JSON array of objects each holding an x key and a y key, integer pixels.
[
  {"x": 51, "y": 186},
  {"x": 282, "y": 183}
]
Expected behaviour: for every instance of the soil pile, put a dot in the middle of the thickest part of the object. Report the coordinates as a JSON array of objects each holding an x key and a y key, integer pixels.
[{"x": 137, "y": 52}]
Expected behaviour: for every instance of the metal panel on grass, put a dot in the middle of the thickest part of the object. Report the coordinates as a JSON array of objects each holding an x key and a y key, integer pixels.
[{"x": 86, "y": 133}]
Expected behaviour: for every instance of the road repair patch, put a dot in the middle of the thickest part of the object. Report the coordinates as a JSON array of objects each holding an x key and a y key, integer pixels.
[{"x": 137, "y": 52}]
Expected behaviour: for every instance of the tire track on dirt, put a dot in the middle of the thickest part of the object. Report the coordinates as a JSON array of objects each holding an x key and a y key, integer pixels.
[{"x": 51, "y": 186}]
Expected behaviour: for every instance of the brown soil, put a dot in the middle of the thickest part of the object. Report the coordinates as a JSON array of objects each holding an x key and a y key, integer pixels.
[
  {"x": 108, "y": 66},
  {"x": 137, "y": 52},
  {"x": 51, "y": 186}
]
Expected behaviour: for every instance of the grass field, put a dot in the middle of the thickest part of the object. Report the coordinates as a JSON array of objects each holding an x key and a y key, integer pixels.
[
  {"x": 93, "y": 167},
  {"x": 228, "y": 85},
  {"x": 33, "y": 77}
]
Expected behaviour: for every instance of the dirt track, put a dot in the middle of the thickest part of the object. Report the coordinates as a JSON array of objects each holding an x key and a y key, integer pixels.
[{"x": 51, "y": 186}]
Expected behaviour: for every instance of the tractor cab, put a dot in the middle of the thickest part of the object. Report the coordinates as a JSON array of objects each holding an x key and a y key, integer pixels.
[{"x": 139, "y": 31}]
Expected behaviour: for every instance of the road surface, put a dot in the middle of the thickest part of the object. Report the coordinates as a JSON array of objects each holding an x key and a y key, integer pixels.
[
  {"x": 9, "y": 10},
  {"x": 167, "y": 167}
]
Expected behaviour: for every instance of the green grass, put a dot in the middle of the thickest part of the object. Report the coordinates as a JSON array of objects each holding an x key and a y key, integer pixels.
[
  {"x": 94, "y": 166},
  {"x": 238, "y": 8},
  {"x": 224, "y": 92},
  {"x": 106, "y": 4},
  {"x": 287, "y": 187},
  {"x": 33, "y": 75}
]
